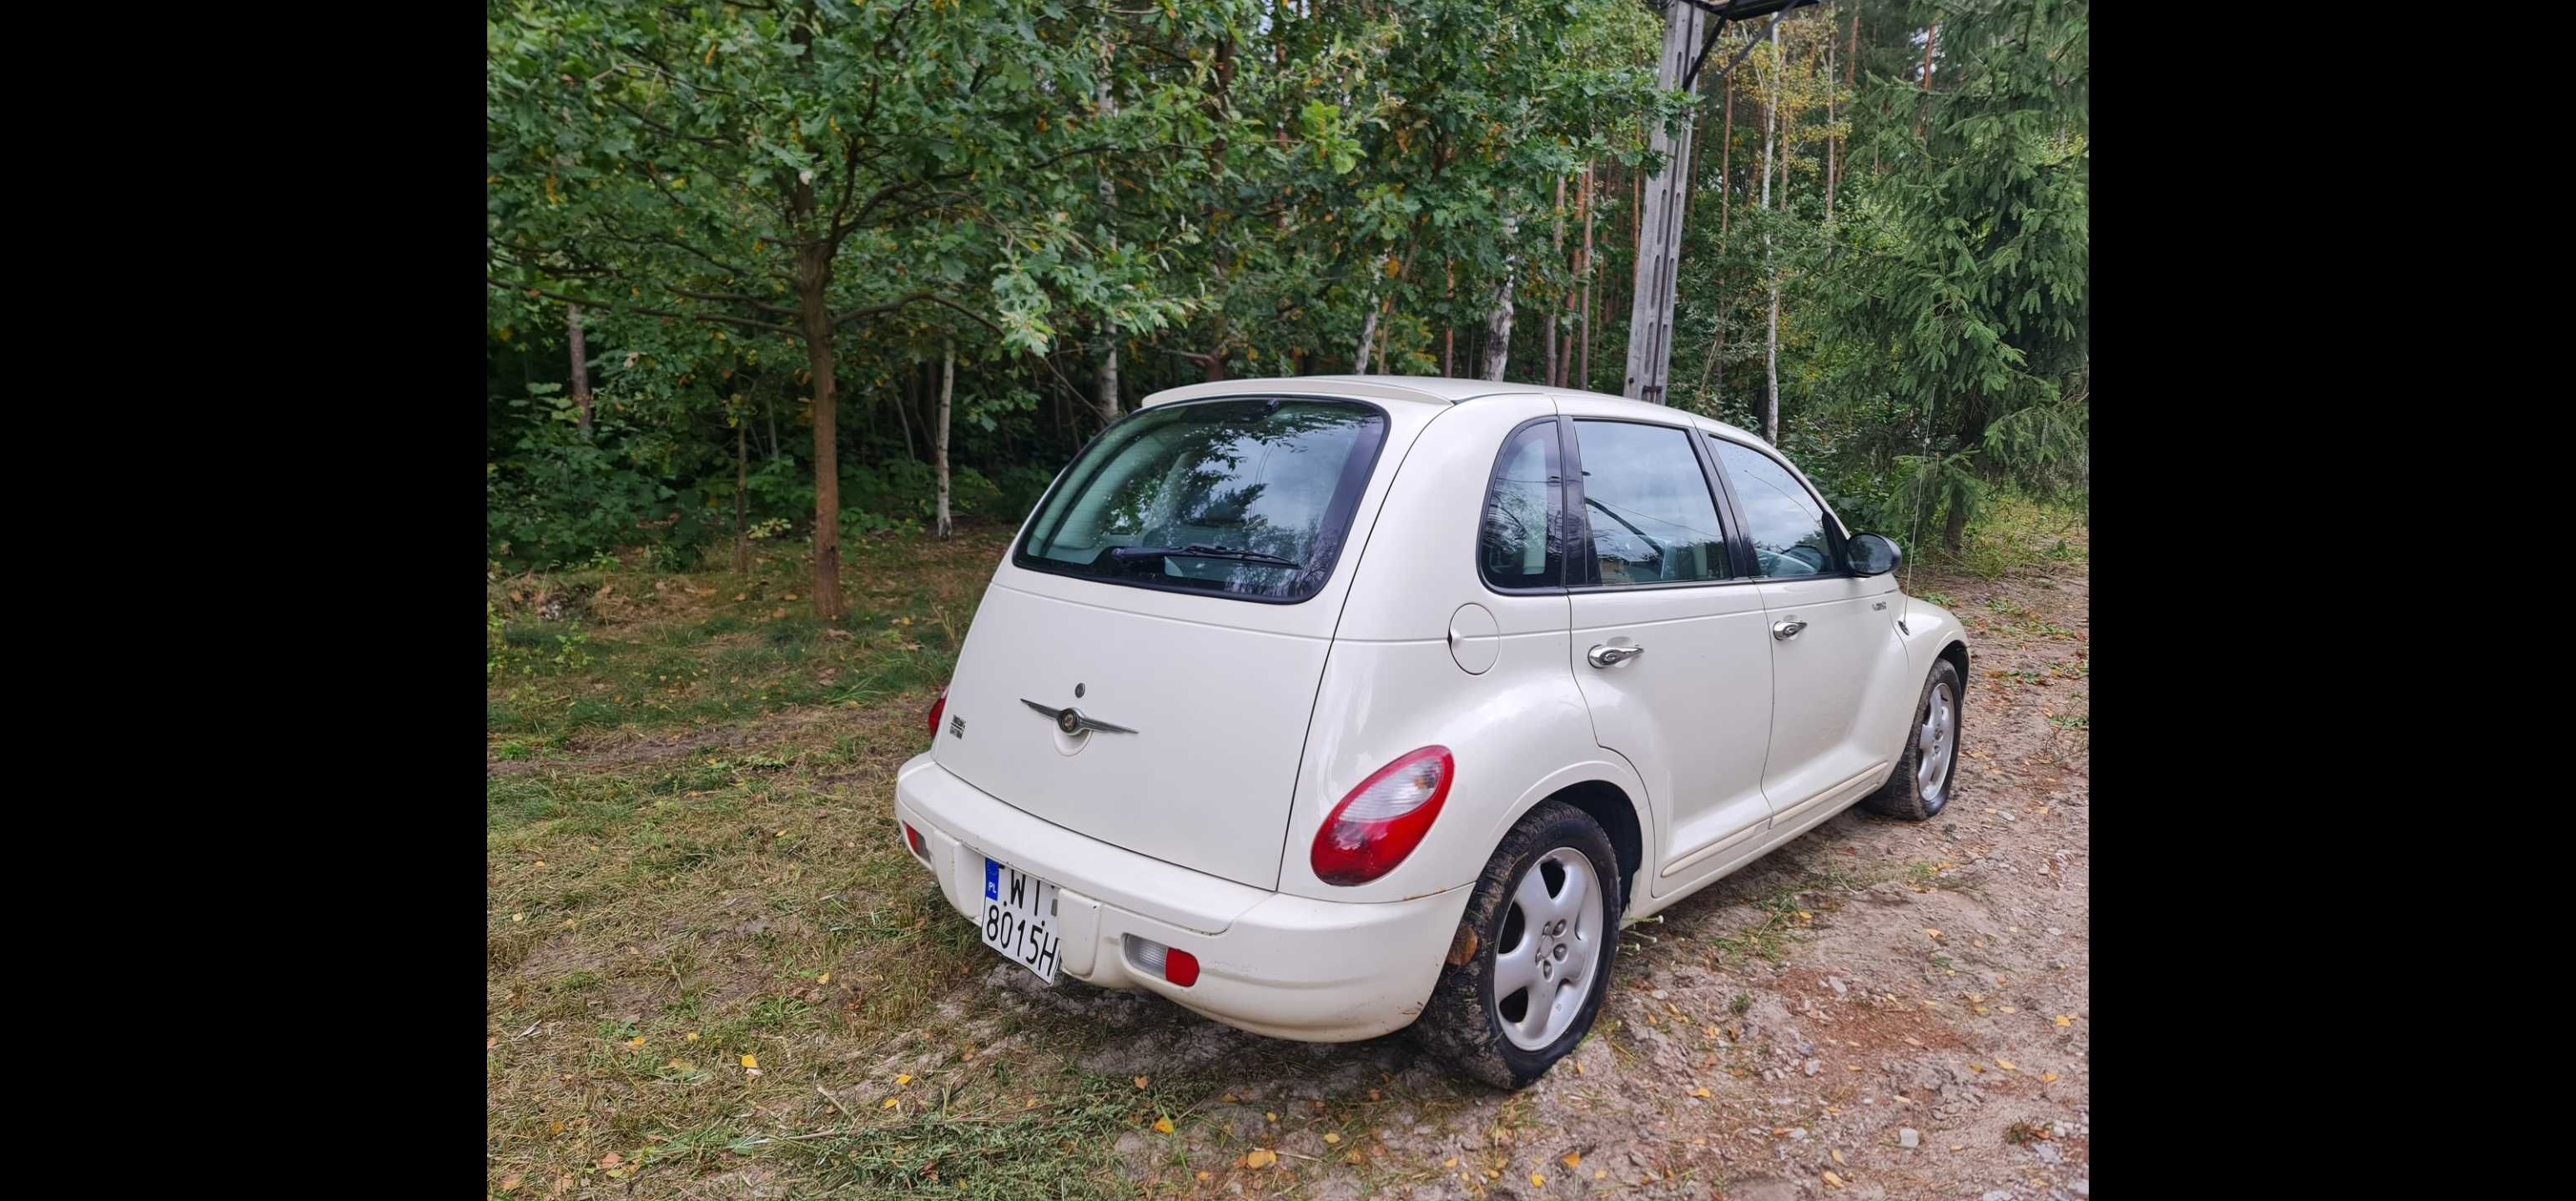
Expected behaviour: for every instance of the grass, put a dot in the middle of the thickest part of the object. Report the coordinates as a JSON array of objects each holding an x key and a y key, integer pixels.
[
  {"x": 2014, "y": 535},
  {"x": 708, "y": 956}
]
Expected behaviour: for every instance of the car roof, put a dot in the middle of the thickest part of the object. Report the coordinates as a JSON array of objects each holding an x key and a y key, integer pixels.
[{"x": 1420, "y": 389}]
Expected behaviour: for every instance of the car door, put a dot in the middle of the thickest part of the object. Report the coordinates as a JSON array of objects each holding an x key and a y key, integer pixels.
[
  {"x": 1830, "y": 636},
  {"x": 1669, "y": 643}
]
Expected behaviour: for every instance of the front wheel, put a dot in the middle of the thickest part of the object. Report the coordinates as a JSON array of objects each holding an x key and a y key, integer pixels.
[
  {"x": 1533, "y": 953},
  {"x": 1928, "y": 770}
]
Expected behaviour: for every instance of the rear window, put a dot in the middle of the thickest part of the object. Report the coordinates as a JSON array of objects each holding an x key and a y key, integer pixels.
[{"x": 1247, "y": 498}]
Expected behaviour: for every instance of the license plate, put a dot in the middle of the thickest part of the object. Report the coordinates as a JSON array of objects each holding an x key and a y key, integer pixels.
[{"x": 1019, "y": 918}]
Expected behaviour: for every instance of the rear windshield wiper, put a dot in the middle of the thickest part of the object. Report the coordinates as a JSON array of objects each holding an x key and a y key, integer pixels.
[{"x": 1153, "y": 554}]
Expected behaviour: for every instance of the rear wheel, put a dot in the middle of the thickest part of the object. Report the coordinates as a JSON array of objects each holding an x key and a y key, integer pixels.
[
  {"x": 1928, "y": 770},
  {"x": 1533, "y": 953}
]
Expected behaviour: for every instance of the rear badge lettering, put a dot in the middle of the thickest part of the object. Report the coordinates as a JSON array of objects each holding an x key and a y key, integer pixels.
[{"x": 956, "y": 727}]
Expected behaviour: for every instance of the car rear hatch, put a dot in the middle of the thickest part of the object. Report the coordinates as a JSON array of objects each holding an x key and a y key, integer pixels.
[{"x": 1189, "y": 659}]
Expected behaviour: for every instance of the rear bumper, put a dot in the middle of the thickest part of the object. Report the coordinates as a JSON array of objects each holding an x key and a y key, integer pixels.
[{"x": 1285, "y": 966}]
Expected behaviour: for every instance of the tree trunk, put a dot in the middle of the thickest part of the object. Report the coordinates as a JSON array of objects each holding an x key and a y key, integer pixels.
[
  {"x": 1770, "y": 151},
  {"x": 1583, "y": 271},
  {"x": 1449, "y": 333},
  {"x": 813, "y": 276},
  {"x": 1954, "y": 528},
  {"x": 1833, "y": 141},
  {"x": 580, "y": 366},
  {"x": 903, "y": 414},
  {"x": 1498, "y": 320},
  {"x": 1105, "y": 104},
  {"x": 769, "y": 409},
  {"x": 1725, "y": 176},
  {"x": 1931, "y": 38},
  {"x": 741, "y": 481},
  {"x": 939, "y": 432},
  {"x": 1556, "y": 353},
  {"x": 1368, "y": 323}
]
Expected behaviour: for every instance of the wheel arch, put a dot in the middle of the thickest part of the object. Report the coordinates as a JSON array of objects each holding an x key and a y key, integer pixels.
[{"x": 1609, "y": 796}]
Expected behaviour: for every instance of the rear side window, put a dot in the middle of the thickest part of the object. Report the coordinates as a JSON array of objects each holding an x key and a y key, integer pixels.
[
  {"x": 1244, "y": 498},
  {"x": 1791, "y": 536},
  {"x": 1646, "y": 498},
  {"x": 1522, "y": 546}
]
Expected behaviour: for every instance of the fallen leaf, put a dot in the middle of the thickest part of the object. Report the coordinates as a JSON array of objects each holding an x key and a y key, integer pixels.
[
  {"x": 2003, "y": 1009},
  {"x": 892, "y": 1103},
  {"x": 1838, "y": 1157},
  {"x": 1332, "y": 1138},
  {"x": 1140, "y": 1082},
  {"x": 636, "y": 1041},
  {"x": 1833, "y": 1180},
  {"x": 902, "y": 1080},
  {"x": 1976, "y": 1067},
  {"x": 2048, "y": 1077},
  {"x": 1451, "y": 1162},
  {"x": 2006, "y": 1065},
  {"x": 1270, "y": 1114},
  {"x": 1205, "y": 1175},
  {"x": 2066, "y": 1019},
  {"x": 825, "y": 978},
  {"x": 1701, "y": 1091},
  {"x": 521, "y": 917},
  {"x": 610, "y": 1160},
  {"x": 1537, "y": 1181},
  {"x": 1163, "y": 1126},
  {"x": 510, "y": 1182},
  {"x": 1259, "y": 1159},
  {"x": 490, "y": 1043},
  {"x": 691, "y": 1036},
  {"x": 1931, "y": 933},
  {"x": 751, "y": 1061},
  {"x": 1573, "y": 1160}
]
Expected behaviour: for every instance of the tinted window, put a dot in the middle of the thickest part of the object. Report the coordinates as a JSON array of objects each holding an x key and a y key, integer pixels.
[
  {"x": 1248, "y": 498},
  {"x": 1788, "y": 526},
  {"x": 1648, "y": 505},
  {"x": 1521, "y": 546}
]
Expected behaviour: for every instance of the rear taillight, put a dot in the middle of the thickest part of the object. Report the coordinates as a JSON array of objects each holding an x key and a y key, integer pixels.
[
  {"x": 1383, "y": 819},
  {"x": 938, "y": 708}
]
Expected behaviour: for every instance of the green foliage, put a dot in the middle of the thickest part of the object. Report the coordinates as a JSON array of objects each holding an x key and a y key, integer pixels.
[{"x": 1238, "y": 188}]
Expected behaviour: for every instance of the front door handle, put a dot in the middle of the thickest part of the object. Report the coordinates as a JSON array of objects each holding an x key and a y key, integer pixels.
[
  {"x": 1786, "y": 630},
  {"x": 1612, "y": 656}
]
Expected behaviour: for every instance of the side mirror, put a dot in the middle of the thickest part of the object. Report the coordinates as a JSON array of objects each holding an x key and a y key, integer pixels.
[{"x": 1870, "y": 554}]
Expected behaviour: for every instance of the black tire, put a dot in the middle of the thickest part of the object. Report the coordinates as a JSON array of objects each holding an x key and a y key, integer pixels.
[
  {"x": 1903, "y": 795},
  {"x": 1461, "y": 1023}
]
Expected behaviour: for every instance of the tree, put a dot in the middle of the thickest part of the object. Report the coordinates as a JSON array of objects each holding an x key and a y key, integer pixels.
[
  {"x": 1968, "y": 262},
  {"x": 795, "y": 169}
]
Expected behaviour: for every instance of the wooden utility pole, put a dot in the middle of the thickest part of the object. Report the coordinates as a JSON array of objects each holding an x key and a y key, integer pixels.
[{"x": 1659, "y": 242}]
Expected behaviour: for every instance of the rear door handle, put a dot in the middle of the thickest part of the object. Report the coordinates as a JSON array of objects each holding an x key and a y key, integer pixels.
[
  {"x": 1612, "y": 656},
  {"x": 1786, "y": 630}
]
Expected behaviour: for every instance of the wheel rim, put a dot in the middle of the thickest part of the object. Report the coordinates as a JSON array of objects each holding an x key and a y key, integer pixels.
[
  {"x": 1936, "y": 742},
  {"x": 1549, "y": 948}
]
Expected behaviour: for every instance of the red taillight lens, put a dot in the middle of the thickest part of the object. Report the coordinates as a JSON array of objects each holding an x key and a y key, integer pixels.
[
  {"x": 913, "y": 836},
  {"x": 1383, "y": 819},
  {"x": 1181, "y": 968},
  {"x": 938, "y": 708}
]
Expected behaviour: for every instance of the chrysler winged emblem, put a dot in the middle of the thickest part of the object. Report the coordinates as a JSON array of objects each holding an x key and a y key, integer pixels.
[{"x": 1071, "y": 721}]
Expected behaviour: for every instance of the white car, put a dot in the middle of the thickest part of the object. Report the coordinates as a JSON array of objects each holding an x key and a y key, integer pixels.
[{"x": 1329, "y": 706}]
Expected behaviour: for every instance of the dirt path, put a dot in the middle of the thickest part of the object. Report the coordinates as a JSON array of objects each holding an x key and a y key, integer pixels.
[
  {"x": 1880, "y": 1009},
  {"x": 667, "y": 902}
]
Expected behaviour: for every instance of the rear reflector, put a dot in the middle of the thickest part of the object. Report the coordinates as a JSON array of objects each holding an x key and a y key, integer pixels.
[
  {"x": 1179, "y": 967},
  {"x": 913, "y": 836}
]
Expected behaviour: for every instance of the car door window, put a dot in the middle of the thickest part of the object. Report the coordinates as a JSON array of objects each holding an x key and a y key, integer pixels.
[
  {"x": 1791, "y": 535},
  {"x": 1652, "y": 518},
  {"x": 1520, "y": 546}
]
